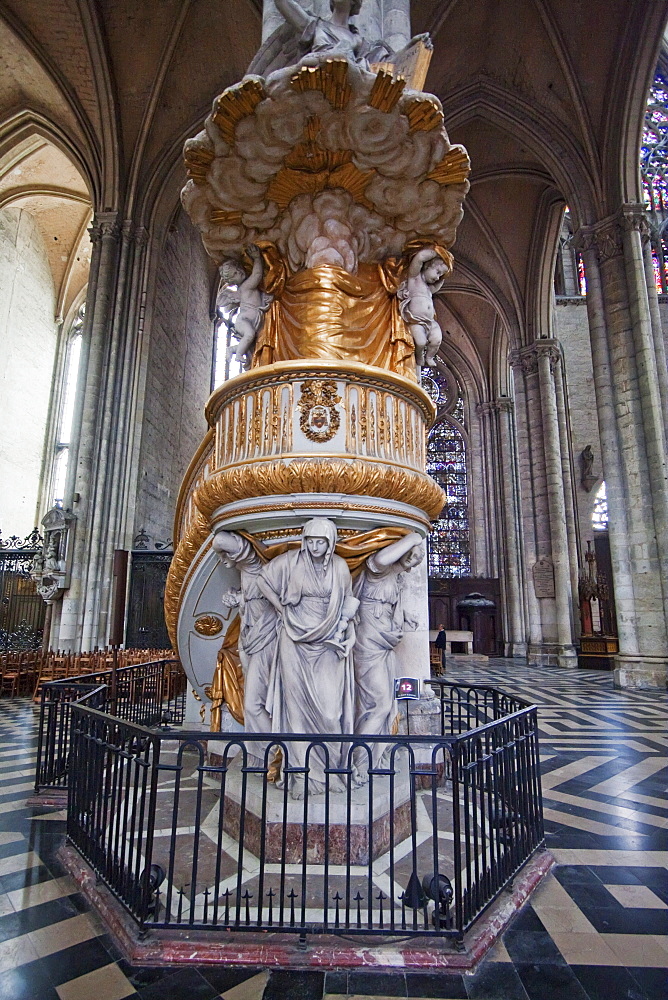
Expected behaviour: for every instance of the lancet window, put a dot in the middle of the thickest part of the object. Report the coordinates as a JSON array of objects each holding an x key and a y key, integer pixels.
[
  {"x": 449, "y": 542},
  {"x": 569, "y": 273},
  {"x": 599, "y": 517},
  {"x": 224, "y": 366},
  {"x": 68, "y": 399},
  {"x": 654, "y": 170}
]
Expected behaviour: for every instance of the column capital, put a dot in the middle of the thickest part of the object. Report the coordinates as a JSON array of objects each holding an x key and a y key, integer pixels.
[
  {"x": 104, "y": 226},
  {"x": 141, "y": 236},
  {"x": 504, "y": 404},
  {"x": 607, "y": 236},
  {"x": 634, "y": 218},
  {"x": 527, "y": 358}
]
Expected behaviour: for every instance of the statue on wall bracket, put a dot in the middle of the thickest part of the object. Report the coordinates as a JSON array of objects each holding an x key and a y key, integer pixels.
[{"x": 52, "y": 567}]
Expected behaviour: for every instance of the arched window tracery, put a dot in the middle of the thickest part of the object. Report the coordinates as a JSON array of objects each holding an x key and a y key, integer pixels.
[
  {"x": 66, "y": 416},
  {"x": 224, "y": 366},
  {"x": 449, "y": 541},
  {"x": 599, "y": 517}
]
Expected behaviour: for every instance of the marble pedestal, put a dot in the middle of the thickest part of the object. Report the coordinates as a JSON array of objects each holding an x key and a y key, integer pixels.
[{"x": 360, "y": 829}]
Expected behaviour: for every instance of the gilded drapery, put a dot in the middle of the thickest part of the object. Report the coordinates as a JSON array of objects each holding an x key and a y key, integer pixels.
[{"x": 325, "y": 312}]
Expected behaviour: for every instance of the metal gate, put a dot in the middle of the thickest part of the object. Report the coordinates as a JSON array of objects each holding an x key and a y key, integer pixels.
[
  {"x": 22, "y": 610},
  {"x": 146, "y": 627}
]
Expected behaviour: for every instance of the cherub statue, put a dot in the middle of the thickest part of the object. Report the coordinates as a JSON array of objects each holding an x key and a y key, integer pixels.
[
  {"x": 240, "y": 295},
  {"x": 425, "y": 277},
  {"x": 304, "y": 34}
]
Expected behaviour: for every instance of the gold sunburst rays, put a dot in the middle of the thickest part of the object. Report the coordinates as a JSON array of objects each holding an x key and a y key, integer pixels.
[
  {"x": 386, "y": 91},
  {"x": 454, "y": 168},
  {"x": 330, "y": 78},
  {"x": 234, "y": 104},
  {"x": 423, "y": 114},
  {"x": 289, "y": 182},
  {"x": 197, "y": 160}
]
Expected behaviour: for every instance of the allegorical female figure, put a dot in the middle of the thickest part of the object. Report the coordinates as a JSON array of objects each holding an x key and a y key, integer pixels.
[
  {"x": 336, "y": 38},
  {"x": 257, "y": 634},
  {"x": 311, "y": 689},
  {"x": 382, "y": 621}
]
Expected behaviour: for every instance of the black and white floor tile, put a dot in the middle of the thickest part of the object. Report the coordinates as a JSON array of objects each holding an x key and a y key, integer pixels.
[{"x": 596, "y": 929}]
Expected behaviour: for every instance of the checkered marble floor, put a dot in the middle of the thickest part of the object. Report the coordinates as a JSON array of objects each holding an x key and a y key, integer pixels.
[{"x": 596, "y": 929}]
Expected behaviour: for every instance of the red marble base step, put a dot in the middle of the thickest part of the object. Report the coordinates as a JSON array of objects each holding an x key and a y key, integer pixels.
[{"x": 283, "y": 951}]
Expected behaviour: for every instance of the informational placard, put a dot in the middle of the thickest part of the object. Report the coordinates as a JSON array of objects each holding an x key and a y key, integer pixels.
[
  {"x": 543, "y": 578},
  {"x": 407, "y": 688}
]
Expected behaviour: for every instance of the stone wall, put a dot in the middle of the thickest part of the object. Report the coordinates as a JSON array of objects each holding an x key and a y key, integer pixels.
[
  {"x": 178, "y": 380},
  {"x": 571, "y": 328},
  {"x": 28, "y": 338}
]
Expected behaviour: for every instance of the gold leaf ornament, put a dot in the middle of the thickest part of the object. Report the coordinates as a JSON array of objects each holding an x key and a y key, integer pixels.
[{"x": 209, "y": 625}]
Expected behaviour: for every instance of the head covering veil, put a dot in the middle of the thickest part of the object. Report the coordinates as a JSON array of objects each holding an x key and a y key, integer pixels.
[
  {"x": 320, "y": 527},
  {"x": 237, "y": 549}
]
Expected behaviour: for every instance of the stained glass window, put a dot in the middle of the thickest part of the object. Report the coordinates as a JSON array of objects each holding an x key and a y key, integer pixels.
[
  {"x": 654, "y": 170},
  {"x": 449, "y": 548},
  {"x": 599, "y": 517},
  {"x": 435, "y": 384}
]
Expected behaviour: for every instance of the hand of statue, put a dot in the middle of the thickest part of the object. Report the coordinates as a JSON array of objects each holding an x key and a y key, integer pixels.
[
  {"x": 410, "y": 622},
  {"x": 253, "y": 252},
  {"x": 231, "y": 599},
  {"x": 426, "y": 39}
]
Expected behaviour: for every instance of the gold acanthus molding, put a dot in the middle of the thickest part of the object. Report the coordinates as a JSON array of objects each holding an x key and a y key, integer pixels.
[{"x": 319, "y": 475}]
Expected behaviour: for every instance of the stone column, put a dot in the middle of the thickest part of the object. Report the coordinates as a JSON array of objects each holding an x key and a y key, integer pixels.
[
  {"x": 568, "y": 479},
  {"x": 630, "y": 387},
  {"x": 397, "y": 23},
  {"x": 104, "y": 236},
  {"x": 549, "y": 372},
  {"x": 105, "y": 452},
  {"x": 546, "y": 537},
  {"x": 503, "y": 475}
]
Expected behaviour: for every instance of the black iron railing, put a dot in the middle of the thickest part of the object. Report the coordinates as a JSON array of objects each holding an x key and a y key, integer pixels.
[
  {"x": 144, "y": 693},
  {"x": 402, "y": 835}
]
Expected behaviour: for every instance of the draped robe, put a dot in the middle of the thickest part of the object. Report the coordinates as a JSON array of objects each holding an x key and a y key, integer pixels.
[
  {"x": 311, "y": 689},
  {"x": 379, "y": 630}
]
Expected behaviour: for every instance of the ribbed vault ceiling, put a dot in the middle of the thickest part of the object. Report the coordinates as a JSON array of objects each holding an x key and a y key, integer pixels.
[{"x": 546, "y": 95}]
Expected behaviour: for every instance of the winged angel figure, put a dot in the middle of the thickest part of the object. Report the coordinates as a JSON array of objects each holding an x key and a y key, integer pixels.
[
  {"x": 241, "y": 298},
  {"x": 305, "y": 33}
]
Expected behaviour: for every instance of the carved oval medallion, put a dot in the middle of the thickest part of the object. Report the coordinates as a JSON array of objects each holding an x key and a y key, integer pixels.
[{"x": 209, "y": 625}]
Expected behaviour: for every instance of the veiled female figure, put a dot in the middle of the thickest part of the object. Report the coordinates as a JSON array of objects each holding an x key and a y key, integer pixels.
[
  {"x": 257, "y": 635},
  {"x": 382, "y": 621},
  {"x": 312, "y": 683}
]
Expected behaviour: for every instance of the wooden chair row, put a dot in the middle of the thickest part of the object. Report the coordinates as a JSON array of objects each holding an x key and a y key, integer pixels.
[{"x": 24, "y": 673}]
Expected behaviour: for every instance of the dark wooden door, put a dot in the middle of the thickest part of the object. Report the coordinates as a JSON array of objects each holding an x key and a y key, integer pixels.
[{"x": 146, "y": 627}]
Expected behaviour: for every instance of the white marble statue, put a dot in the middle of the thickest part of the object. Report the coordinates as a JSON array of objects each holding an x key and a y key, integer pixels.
[
  {"x": 257, "y": 635},
  {"x": 311, "y": 690},
  {"x": 381, "y": 623},
  {"x": 242, "y": 292},
  {"x": 336, "y": 37},
  {"x": 426, "y": 275}
]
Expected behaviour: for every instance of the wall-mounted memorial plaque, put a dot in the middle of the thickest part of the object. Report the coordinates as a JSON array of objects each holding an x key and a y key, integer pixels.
[{"x": 543, "y": 578}]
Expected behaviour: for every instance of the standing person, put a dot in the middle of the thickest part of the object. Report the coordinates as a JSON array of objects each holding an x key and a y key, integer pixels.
[
  {"x": 312, "y": 683},
  {"x": 440, "y": 643}
]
